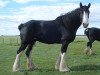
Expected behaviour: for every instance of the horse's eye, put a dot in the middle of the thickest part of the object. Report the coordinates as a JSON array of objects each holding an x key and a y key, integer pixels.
[{"x": 81, "y": 12}]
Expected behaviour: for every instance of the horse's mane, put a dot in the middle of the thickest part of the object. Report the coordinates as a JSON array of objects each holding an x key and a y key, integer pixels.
[{"x": 69, "y": 15}]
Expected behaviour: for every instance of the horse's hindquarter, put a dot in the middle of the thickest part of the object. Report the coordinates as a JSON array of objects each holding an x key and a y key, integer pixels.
[
  {"x": 94, "y": 33},
  {"x": 49, "y": 32},
  {"x": 97, "y": 35}
]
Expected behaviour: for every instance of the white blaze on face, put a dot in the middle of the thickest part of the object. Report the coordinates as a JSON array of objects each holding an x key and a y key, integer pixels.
[{"x": 85, "y": 21}]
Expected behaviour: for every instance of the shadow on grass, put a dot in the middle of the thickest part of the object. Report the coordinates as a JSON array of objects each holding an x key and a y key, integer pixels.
[
  {"x": 73, "y": 68},
  {"x": 85, "y": 67},
  {"x": 40, "y": 70}
]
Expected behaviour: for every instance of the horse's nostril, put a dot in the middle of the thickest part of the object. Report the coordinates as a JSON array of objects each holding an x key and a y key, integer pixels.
[{"x": 83, "y": 23}]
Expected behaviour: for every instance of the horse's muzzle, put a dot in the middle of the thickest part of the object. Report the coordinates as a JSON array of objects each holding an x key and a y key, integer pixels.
[{"x": 85, "y": 25}]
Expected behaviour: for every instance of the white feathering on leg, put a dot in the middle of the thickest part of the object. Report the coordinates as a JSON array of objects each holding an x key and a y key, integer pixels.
[
  {"x": 16, "y": 66},
  {"x": 63, "y": 67},
  {"x": 58, "y": 62}
]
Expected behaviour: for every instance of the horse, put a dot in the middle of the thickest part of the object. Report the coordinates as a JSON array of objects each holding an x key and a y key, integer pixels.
[
  {"x": 61, "y": 30},
  {"x": 92, "y": 35}
]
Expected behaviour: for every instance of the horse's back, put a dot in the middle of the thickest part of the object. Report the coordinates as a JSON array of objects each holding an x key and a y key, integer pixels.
[
  {"x": 43, "y": 31},
  {"x": 93, "y": 33},
  {"x": 49, "y": 32}
]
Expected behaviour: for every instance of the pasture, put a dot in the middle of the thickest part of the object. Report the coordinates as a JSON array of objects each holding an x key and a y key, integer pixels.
[{"x": 44, "y": 56}]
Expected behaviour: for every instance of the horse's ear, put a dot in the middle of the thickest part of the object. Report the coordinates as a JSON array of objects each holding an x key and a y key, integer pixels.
[
  {"x": 80, "y": 5},
  {"x": 89, "y": 5}
]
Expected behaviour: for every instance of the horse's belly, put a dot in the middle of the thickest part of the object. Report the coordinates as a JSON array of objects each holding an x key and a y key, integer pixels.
[
  {"x": 97, "y": 38},
  {"x": 49, "y": 39}
]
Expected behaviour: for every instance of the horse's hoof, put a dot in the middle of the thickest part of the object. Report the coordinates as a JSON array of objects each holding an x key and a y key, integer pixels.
[
  {"x": 16, "y": 69},
  {"x": 92, "y": 54},
  {"x": 64, "y": 70},
  {"x": 56, "y": 67},
  {"x": 33, "y": 67},
  {"x": 86, "y": 51}
]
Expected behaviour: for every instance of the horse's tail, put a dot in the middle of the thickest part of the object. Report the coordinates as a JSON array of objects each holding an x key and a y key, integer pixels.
[
  {"x": 86, "y": 32},
  {"x": 20, "y": 26}
]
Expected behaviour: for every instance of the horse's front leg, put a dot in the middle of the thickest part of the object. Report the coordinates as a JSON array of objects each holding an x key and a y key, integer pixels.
[
  {"x": 63, "y": 67},
  {"x": 61, "y": 63},
  {"x": 58, "y": 62}
]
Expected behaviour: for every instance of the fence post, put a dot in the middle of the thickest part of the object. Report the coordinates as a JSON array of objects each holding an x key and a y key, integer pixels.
[
  {"x": 17, "y": 40},
  {"x": 3, "y": 40},
  {"x": 10, "y": 40}
]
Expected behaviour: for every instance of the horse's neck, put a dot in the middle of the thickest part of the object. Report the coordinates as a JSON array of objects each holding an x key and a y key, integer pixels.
[{"x": 73, "y": 23}]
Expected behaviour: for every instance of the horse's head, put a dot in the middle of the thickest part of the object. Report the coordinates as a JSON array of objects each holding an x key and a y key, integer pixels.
[{"x": 84, "y": 12}]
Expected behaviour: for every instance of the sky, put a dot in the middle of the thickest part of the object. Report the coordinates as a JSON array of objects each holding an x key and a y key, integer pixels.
[{"x": 14, "y": 12}]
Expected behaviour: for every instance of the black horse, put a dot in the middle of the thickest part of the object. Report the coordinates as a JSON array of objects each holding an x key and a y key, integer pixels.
[
  {"x": 62, "y": 30},
  {"x": 92, "y": 34}
]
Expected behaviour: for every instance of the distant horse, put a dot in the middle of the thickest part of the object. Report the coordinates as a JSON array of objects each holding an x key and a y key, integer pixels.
[
  {"x": 62, "y": 30},
  {"x": 92, "y": 34}
]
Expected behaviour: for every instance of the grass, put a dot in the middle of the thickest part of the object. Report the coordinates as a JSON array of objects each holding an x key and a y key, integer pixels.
[{"x": 44, "y": 56}]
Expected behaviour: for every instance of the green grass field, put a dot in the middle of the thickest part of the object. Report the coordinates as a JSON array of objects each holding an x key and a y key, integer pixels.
[{"x": 44, "y": 56}]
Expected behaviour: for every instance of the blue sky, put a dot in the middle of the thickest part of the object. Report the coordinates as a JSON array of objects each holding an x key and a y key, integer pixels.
[{"x": 14, "y": 12}]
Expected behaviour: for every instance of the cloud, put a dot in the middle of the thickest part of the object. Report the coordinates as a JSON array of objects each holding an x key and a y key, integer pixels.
[
  {"x": 22, "y": 1},
  {"x": 26, "y": 1},
  {"x": 10, "y": 22},
  {"x": 47, "y": 0},
  {"x": 44, "y": 12},
  {"x": 8, "y": 26},
  {"x": 3, "y": 3},
  {"x": 95, "y": 13},
  {"x": 57, "y": 1}
]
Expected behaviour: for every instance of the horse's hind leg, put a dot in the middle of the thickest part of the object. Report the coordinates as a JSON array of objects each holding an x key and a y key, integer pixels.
[
  {"x": 89, "y": 47},
  {"x": 30, "y": 65},
  {"x": 16, "y": 65},
  {"x": 86, "y": 51}
]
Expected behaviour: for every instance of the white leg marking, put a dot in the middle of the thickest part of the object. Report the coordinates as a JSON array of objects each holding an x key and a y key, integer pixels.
[
  {"x": 58, "y": 62},
  {"x": 63, "y": 67},
  {"x": 87, "y": 50},
  {"x": 90, "y": 51},
  {"x": 30, "y": 65},
  {"x": 16, "y": 66}
]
